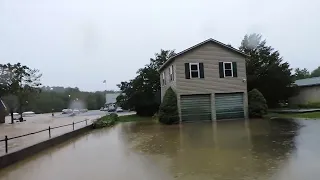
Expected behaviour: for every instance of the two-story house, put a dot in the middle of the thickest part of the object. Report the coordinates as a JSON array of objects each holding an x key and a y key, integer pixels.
[{"x": 209, "y": 80}]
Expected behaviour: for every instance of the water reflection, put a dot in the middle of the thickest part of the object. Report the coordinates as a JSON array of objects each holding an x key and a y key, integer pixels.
[{"x": 222, "y": 150}]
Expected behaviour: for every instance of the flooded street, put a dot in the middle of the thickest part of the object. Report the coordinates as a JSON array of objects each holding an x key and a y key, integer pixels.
[
  {"x": 259, "y": 149},
  {"x": 43, "y": 121}
]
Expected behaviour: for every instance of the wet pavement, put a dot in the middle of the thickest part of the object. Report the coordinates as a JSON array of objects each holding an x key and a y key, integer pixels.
[
  {"x": 250, "y": 150},
  {"x": 39, "y": 122}
]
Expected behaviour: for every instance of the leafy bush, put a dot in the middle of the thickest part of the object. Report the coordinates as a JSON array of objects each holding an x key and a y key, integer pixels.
[
  {"x": 114, "y": 116},
  {"x": 168, "y": 112},
  {"x": 147, "y": 109},
  {"x": 106, "y": 121},
  {"x": 257, "y": 104}
]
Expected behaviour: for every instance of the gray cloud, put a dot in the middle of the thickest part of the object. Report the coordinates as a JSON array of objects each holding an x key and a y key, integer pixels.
[{"x": 81, "y": 42}]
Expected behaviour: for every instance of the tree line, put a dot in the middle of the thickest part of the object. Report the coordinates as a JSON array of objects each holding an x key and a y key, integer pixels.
[
  {"x": 143, "y": 92},
  {"x": 21, "y": 90},
  {"x": 56, "y": 100},
  {"x": 303, "y": 73},
  {"x": 266, "y": 71}
]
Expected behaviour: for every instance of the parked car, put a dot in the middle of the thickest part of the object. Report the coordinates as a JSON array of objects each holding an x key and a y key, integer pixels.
[
  {"x": 111, "y": 110},
  {"x": 67, "y": 111},
  {"x": 103, "y": 109},
  {"x": 83, "y": 110},
  {"x": 28, "y": 113},
  {"x": 76, "y": 111},
  {"x": 119, "y": 109}
]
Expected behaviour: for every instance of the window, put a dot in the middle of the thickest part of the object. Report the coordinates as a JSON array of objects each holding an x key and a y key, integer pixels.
[
  {"x": 228, "y": 69},
  {"x": 171, "y": 73},
  {"x": 163, "y": 79},
  {"x": 194, "y": 70}
]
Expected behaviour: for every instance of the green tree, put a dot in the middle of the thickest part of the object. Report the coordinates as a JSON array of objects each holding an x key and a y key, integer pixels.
[
  {"x": 141, "y": 93},
  {"x": 315, "y": 73},
  {"x": 257, "y": 104},
  {"x": 20, "y": 81},
  {"x": 20, "y": 85},
  {"x": 168, "y": 111},
  {"x": 266, "y": 70},
  {"x": 301, "y": 73},
  {"x": 122, "y": 101},
  {"x": 28, "y": 85}
]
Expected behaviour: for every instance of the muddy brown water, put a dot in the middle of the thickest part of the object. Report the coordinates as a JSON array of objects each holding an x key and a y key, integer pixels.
[{"x": 256, "y": 149}]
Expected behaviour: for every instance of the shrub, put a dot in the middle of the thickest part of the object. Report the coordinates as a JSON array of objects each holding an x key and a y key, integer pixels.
[
  {"x": 168, "y": 112},
  {"x": 114, "y": 116},
  {"x": 106, "y": 121},
  {"x": 147, "y": 109},
  {"x": 155, "y": 116},
  {"x": 257, "y": 104}
]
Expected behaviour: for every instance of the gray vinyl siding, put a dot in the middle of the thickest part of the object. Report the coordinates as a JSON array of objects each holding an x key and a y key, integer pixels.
[
  {"x": 169, "y": 83},
  {"x": 210, "y": 55},
  {"x": 309, "y": 94}
]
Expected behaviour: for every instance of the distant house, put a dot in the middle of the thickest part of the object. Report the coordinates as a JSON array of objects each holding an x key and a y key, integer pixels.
[
  {"x": 209, "y": 79},
  {"x": 309, "y": 91}
]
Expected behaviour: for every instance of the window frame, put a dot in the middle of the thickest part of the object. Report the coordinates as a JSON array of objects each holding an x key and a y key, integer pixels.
[
  {"x": 171, "y": 73},
  {"x": 198, "y": 70},
  {"x": 163, "y": 78},
  {"x": 224, "y": 69}
]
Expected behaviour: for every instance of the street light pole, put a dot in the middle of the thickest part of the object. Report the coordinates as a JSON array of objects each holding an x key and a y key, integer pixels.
[
  {"x": 105, "y": 82},
  {"x": 69, "y": 101},
  {"x": 52, "y": 114}
]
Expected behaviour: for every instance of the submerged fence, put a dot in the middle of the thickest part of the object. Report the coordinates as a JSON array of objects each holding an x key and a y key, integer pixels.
[{"x": 49, "y": 129}]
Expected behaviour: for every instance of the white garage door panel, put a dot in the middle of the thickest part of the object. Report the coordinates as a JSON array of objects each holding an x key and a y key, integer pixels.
[
  {"x": 196, "y": 107},
  {"x": 229, "y": 106}
]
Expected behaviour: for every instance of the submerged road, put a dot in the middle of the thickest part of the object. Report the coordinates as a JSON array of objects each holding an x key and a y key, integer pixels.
[
  {"x": 43, "y": 121},
  {"x": 255, "y": 150}
]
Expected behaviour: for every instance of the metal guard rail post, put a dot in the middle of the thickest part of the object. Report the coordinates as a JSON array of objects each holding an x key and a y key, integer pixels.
[{"x": 6, "y": 139}]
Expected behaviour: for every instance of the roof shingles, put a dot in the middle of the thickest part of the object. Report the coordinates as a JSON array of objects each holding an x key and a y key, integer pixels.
[
  {"x": 315, "y": 81},
  {"x": 198, "y": 45}
]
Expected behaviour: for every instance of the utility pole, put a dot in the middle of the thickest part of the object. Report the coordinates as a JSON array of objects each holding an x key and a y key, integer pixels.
[{"x": 105, "y": 96}]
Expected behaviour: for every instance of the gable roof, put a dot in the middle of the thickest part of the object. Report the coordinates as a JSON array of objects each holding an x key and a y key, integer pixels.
[
  {"x": 315, "y": 81},
  {"x": 198, "y": 45}
]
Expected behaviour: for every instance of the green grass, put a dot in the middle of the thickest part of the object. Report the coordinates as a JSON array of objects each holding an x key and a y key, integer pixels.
[
  {"x": 134, "y": 117},
  {"x": 310, "y": 115}
]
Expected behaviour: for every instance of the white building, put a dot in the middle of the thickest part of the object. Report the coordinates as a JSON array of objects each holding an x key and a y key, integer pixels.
[{"x": 111, "y": 100}]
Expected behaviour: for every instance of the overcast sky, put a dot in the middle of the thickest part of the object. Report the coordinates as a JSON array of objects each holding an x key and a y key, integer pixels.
[{"x": 82, "y": 42}]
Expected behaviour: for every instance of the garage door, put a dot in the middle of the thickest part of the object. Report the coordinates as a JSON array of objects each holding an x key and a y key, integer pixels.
[
  {"x": 229, "y": 106},
  {"x": 195, "y": 107}
]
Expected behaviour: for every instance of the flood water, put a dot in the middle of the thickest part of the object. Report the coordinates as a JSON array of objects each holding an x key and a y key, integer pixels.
[{"x": 256, "y": 149}]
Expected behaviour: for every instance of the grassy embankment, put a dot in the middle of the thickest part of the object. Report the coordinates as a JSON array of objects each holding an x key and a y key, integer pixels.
[
  {"x": 113, "y": 118},
  {"x": 133, "y": 118},
  {"x": 309, "y": 115}
]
